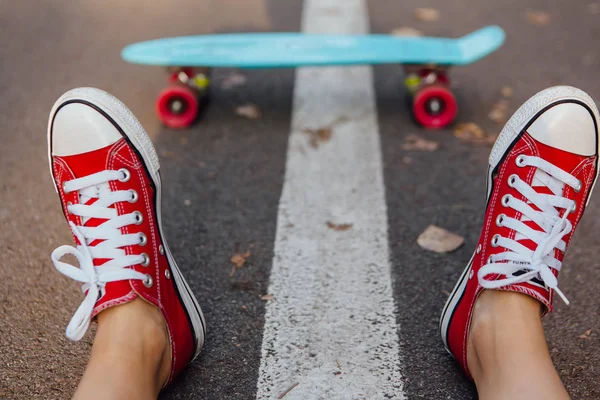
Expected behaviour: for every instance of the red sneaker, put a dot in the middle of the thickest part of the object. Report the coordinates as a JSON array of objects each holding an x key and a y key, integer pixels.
[
  {"x": 541, "y": 173},
  {"x": 106, "y": 173}
]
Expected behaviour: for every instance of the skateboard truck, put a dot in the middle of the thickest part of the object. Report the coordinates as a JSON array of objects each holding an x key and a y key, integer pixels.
[
  {"x": 178, "y": 106},
  {"x": 433, "y": 103}
]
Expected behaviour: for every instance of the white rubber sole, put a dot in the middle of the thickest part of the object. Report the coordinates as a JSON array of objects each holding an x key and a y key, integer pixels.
[
  {"x": 531, "y": 108},
  {"x": 136, "y": 134}
]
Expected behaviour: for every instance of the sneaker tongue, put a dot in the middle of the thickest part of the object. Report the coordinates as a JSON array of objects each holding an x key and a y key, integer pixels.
[
  {"x": 85, "y": 164},
  {"x": 563, "y": 160},
  {"x": 94, "y": 222},
  {"x": 537, "y": 184}
]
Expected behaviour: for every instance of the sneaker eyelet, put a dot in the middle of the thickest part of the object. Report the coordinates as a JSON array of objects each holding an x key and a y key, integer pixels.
[
  {"x": 478, "y": 249},
  {"x": 506, "y": 200},
  {"x": 143, "y": 239},
  {"x": 471, "y": 274},
  {"x": 161, "y": 250},
  {"x": 490, "y": 259},
  {"x": 134, "y": 196},
  {"x": 146, "y": 261},
  {"x": 167, "y": 274},
  {"x": 126, "y": 175},
  {"x": 499, "y": 220},
  {"x": 578, "y": 187},
  {"x": 573, "y": 207},
  {"x": 139, "y": 218},
  {"x": 494, "y": 241},
  {"x": 520, "y": 161},
  {"x": 64, "y": 188},
  {"x": 148, "y": 282},
  {"x": 512, "y": 180}
]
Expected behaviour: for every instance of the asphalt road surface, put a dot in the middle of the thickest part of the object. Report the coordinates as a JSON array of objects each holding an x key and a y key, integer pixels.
[{"x": 226, "y": 190}]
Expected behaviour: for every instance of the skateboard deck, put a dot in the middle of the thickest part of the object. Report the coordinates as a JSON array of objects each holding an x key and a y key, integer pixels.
[{"x": 280, "y": 50}]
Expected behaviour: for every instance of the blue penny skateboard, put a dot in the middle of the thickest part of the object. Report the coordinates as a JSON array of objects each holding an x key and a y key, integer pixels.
[{"x": 425, "y": 60}]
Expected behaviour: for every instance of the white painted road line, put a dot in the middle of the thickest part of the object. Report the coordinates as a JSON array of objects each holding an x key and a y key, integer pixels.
[{"x": 330, "y": 332}]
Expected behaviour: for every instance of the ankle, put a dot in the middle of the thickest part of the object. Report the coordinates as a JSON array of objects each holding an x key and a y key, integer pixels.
[
  {"x": 502, "y": 322},
  {"x": 507, "y": 353},
  {"x": 135, "y": 333}
]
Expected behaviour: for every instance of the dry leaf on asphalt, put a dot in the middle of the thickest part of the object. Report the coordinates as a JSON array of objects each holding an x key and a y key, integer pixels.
[
  {"x": 539, "y": 18},
  {"x": 427, "y": 14},
  {"x": 506, "y": 91},
  {"x": 414, "y": 142},
  {"x": 473, "y": 133},
  {"x": 439, "y": 240},
  {"x": 318, "y": 136},
  {"x": 586, "y": 335},
  {"x": 338, "y": 227},
  {"x": 250, "y": 111},
  {"x": 266, "y": 297},
  {"x": 233, "y": 80},
  {"x": 468, "y": 131},
  {"x": 406, "y": 31},
  {"x": 239, "y": 259},
  {"x": 499, "y": 112}
]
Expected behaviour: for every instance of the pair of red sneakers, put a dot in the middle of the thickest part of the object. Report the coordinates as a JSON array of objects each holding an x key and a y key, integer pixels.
[{"x": 541, "y": 173}]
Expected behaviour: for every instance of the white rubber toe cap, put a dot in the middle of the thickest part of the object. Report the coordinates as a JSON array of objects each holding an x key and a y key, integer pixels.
[
  {"x": 567, "y": 126},
  {"x": 78, "y": 128}
]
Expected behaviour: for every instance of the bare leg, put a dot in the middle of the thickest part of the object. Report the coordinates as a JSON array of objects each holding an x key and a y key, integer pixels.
[
  {"x": 131, "y": 356},
  {"x": 507, "y": 352}
]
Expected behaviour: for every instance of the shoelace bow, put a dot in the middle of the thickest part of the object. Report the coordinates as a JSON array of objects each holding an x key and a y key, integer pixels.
[
  {"x": 95, "y": 278},
  {"x": 536, "y": 263}
]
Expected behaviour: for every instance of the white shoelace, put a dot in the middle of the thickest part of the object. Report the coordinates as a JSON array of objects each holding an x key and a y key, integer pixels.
[
  {"x": 536, "y": 263},
  {"x": 115, "y": 269}
]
